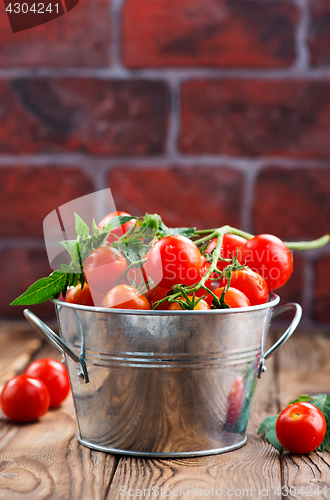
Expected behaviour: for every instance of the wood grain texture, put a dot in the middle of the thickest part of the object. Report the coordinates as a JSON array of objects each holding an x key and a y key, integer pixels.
[
  {"x": 18, "y": 344},
  {"x": 255, "y": 465},
  {"x": 304, "y": 368},
  {"x": 43, "y": 459}
]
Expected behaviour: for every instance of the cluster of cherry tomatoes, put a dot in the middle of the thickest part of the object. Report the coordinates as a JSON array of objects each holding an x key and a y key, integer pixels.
[
  {"x": 244, "y": 274},
  {"x": 44, "y": 384}
]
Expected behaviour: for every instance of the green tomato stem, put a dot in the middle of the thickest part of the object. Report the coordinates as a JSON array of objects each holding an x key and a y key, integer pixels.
[
  {"x": 133, "y": 264},
  {"x": 308, "y": 245},
  {"x": 292, "y": 245}
]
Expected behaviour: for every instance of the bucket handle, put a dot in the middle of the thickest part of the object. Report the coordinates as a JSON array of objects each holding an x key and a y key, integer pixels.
[
  {"x": 294, "y": 323},
  {"x": 57, "y": 342}
]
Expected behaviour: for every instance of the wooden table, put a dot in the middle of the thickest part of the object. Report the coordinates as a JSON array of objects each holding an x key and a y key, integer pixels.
[{"x": 44, "y": 460}]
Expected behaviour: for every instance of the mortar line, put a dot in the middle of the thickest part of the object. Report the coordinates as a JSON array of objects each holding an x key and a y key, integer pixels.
[
  {"x": 89, "y": 162},
  {"x": 303, "y": 57},
  {"x": 116, "y": 25},
  {"x": 118, "y": 71}
]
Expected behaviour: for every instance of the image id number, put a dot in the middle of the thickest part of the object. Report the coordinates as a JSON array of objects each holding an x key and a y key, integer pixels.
[
  {"x": 36, "y": 8},
  {"x": 305, "y": 491}
]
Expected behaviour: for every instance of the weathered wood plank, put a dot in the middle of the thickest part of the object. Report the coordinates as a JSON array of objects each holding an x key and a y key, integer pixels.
[
  {"x": 305, "y": 369},
  {"x": 18, "y": 344},
  {"x": 43, "y": 459},
  {"x": 245, "y": 471}
]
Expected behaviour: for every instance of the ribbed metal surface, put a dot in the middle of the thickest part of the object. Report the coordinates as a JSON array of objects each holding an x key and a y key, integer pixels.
[{"x": 159, "y": 383}]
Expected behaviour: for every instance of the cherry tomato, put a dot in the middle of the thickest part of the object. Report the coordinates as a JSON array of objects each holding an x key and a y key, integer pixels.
[
  {"x": 24, "y": 399},
  {"x": 157, "y": 294},
  {"x": 234, "y": 401},
  {"x": 230, "y": 244},
  {"x": 173, "y": 260},
  {"x": 78, "y": 295},
  {"x": 125, "y": 297},
  {"x": 201, "y": 306},
  {"x": 119, "y": 231},
  {"x": 300, "y": 428},
  {"x": 103, "y": 268},
  {"x": 233, "y": 297},
  {"x": 268, "y": 256},
  {"x": 250, "y": 283},
  {"x": 55, "y": 377}
]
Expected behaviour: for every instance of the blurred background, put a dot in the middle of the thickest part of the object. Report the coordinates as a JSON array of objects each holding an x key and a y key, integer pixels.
[{"x": 208, "y": 112}]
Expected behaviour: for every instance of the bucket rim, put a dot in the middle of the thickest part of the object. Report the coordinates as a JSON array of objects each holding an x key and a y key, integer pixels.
[{"x": 273, "y": 300}]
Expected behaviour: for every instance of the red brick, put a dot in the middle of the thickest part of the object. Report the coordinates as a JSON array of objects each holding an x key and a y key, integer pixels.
[
  {"x": 205, "y": 197},
  {"x": 319, "y": 33},
  {"x": 220, "y": 33},
  {"x": 79, "y": 38},
  {"x": 28, "y": 194},
  {"x": 321, "y": 302},
  {"x": 251, "y": 118},
  {"x": 292, "y": 203},
  {"x": 85, "y": 115},
  {"x": 19, "y": 268}
]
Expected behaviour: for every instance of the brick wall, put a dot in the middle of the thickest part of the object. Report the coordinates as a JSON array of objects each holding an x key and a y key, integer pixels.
[{"x": 206, "y": 111}]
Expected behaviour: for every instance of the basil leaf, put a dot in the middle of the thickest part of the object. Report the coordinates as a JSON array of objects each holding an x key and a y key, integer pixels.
[
  {"x": 117, "y": 221},
  {"x": 43, "y": 289},
  {"x": 81, "y": 228},
  {"x": 268, "y": 427}
]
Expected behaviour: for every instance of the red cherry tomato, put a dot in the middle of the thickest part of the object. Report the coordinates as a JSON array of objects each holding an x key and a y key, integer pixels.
[
  {"x": 230, "y": 244},
  {"x": 173, "y": 260},
  {"x": 55, "y": 377},
  {"x": 234, "y": 401},
  {"x": 233, "y": 297},
  {"x": 103, "y": 268},
  {"x": 201, "y": 306},
  {"x": 119, "y": 231},
  {"x": 24, "y": 399},
  {"x": 125, "y": 297},
  {"x": 157, "y": 294},
  {"x": 250, "y": 283},
  {"x": 268, "y": 256},
  {"x": 78, "y": 295},
  {"x": 300, "y": 428}
]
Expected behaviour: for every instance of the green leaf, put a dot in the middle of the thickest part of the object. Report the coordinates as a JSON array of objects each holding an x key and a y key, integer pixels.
[
  {"x": 163, "y": 231},
  {"x": 302, "y": 398},
  {"x": 71, "y": 247},
  {"x": 81, "y": 228},
  {"x": 116, "y": 222},
  {"x": 268, "y": 427},
  {"x": 96, "y": 230},
  {"x": 322, "y": 402},
  {"x": 42, "y": 290}
]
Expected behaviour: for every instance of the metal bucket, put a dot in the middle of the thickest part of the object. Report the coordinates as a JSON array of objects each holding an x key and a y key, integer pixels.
[{"x": 161, "y": 383}]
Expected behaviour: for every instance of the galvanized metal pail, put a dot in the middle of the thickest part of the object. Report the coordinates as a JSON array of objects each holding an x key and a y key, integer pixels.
[{"x": 164, "y": 383}]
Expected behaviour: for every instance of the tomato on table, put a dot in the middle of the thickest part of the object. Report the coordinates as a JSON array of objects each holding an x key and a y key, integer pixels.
[
  {"x": 24, "y": 399},
  {"x": 78, "y": 295},
  {"x": 300, "y": 428},
  {"x": 233, "y": 297},
  {"x": 54, "y": 375},
  {"x": 174, "y": 260},
  {"x": 103, "y": 268},
  {"x": 119, "y": 231},
  {"x": 125, "y": 297},
  {"x": 268, "y": 256}
]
